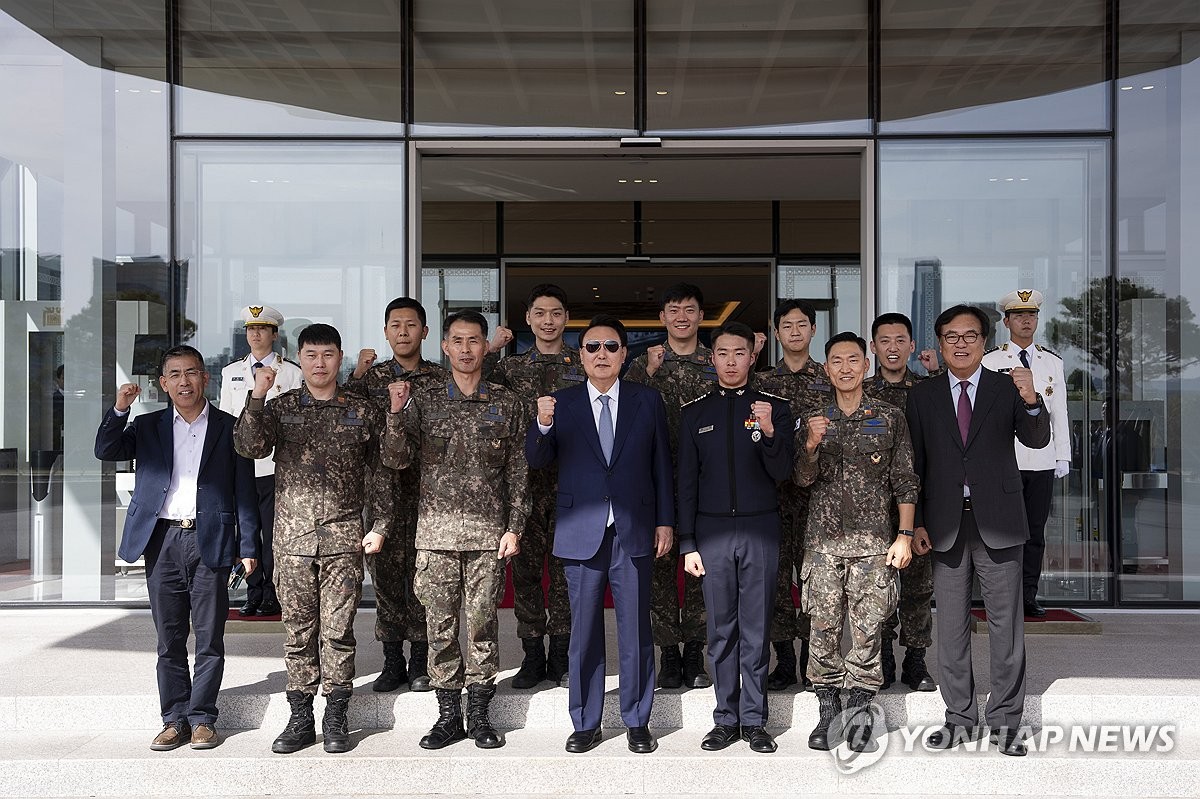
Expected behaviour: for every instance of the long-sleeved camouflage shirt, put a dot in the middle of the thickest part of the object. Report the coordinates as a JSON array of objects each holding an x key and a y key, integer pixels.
[
  {"x": 880, "y": 387},
  {"x": 680, "y": 379},
  {"x": 804, "y": 388},
  {"x": 533, "y": 374},
  {"x": 327, "y": 454},
  {"x": 471, "y": 451},
  {"x": 862, "y": 466}
]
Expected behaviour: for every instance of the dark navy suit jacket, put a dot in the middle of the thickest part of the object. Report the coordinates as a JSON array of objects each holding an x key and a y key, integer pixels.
[
  {"x": 227, "y": 522},
  {"x": 638, "y": 483}
]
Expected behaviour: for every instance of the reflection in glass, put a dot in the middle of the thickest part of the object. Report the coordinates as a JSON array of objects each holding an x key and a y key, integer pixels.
[
  {"x": 835, "y": 291},
  {"x": 970, "y": 222},
  {"x": 447, "y": 288}
]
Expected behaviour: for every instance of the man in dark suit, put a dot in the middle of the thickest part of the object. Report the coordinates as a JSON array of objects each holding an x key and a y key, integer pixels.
[
  {"x": 971, "y": 512},
  {"x": 616, "y": 513},
  {"x": 193, "y": 514}
]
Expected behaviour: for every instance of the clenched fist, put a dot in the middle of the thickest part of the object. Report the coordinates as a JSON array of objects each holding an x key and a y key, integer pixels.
[
  {"x": 126, "y": 394},
  {"x": 545, "y": 411},
  {"x": 762, "y": 414},
  {"x": 817, "y": 426},
  {"x": 500, "y": 339},
  {"x": 366, "y": 359},
  {"x": 760, "y": 339},
  {"x": 399, "y": 391},
  {"x": 654, "y": 358},
  {"x": 929, "y": 360},
  {"x": 263, "y": 380},
  {"x": 1023, "y": 379}
]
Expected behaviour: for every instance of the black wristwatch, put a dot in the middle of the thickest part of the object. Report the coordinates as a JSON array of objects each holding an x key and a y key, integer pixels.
[
  {"x": 1037, "y": 403},
  {"x": 908, "y": 533}
]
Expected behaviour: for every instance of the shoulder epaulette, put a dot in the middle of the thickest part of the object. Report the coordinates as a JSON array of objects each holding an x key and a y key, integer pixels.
[
  {"x": 772, "y": 396},
  {"x": 235, "y": 360},
  {"x": 1047, "y": 349},
  {"x": 697, "y": 399},
  {"x": 993, "y": 349}
]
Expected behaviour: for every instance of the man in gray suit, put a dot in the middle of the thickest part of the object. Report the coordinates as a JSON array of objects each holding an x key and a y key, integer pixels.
[{"x": 971, "y": 513}]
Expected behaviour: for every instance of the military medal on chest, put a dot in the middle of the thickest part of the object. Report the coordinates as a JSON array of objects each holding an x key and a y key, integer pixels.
[{"x": 755, "y": 429}]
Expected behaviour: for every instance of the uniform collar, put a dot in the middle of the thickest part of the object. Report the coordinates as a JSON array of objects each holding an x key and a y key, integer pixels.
[
  {"x": 482, "y": 394},
  {"x": 267, "y": 361},
  {"x": 568, "y": 355},
  {"x": 308, "y": 400},
  {"x": 702, "y": 355},
  {"x": 423, "y": 367}
]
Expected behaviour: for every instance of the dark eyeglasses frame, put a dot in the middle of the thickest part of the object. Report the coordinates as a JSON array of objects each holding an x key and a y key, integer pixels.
[{"x": 608, "y": 344}]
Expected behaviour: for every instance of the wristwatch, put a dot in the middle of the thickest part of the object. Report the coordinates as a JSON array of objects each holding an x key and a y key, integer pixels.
[
  {"x": 908, "y": 533},
  {"x": 1037, "y": 403}
]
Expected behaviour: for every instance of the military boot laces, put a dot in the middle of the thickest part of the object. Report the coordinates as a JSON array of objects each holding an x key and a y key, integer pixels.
[
  {"x": 784, "y": 675},
  {"x": 479, "y": 726},
  {"x": 829, "y": 704},
  {"x": 335, "y": 727},
  {"x": 670, "y": 670},
  {"x": 301, "y": 729},
  {"x": 449, "y": 726},
  {"x": 694, "y": 675},
  {"x": 557, "y": 660},
  {"x": 533, "y": 667},
  {"x": 395, "y": 670},
  {"x": 418, "y": 666},
  {"x": 913, "y": 673},
  {"x": 888, "y": 661},
  {"x": 860, "y": 721}
]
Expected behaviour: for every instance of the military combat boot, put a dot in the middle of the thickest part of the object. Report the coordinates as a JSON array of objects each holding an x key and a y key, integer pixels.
[
  {"x": 533, "y": 667},
  {"x": 449, "y": 727},
  {"x": 670, "y": 669},
  {"x": 479, "y": 726},
  {"x": 802, "y": 666},
  {"x": 557, "y": 660},
  {"x": 824, "y": 736},
  {"x": 860, "y": 723},
  {"x": 694, "y": 675},
  {"x": 888, "y": 660},
  {"x": 418, "y": 666},
  {"x": 913, "y": 673},
  {"x": 301, "y": 729},
  {"x": 395, "y": 670},
  {"x": 335, "y": 727},
  {"x": 784, "y": 675}
]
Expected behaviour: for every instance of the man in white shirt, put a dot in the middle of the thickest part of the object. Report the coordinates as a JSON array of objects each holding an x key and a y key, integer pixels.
[{"x": 237, "y": 379}]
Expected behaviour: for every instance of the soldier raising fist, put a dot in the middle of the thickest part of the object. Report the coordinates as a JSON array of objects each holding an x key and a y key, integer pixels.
[
  {"x": 817, "y": 427},
  {"x": 762, "y": 414},
  {"x": 366, "y": 359},
  {"x": 399, "y": 392},
  {"x": 263, "y": 380}
]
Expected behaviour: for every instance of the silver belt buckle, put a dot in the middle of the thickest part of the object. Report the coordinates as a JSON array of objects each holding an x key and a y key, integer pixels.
[{"x": 187, "y": 524}]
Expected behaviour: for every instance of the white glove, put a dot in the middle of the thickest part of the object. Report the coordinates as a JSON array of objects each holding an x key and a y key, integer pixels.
[{"x": 1062, "y": 468}]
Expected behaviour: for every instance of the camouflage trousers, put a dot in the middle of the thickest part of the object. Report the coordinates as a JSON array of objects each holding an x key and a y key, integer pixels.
[
  {"x": 319, "y": 597},
  {"x": 398, "y": 614},
  {"x": 529, "y": 601},
  {"x": 836, "y": 592},
  {"x": 787, "y": 621},
  {"x": 670, "y": 622},
  {"x": 914, "y": 615},
  {"x": 448, "y": 582}
]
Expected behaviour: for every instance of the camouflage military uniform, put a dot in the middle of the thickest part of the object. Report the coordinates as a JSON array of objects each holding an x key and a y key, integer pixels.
[
  {"x": 680, "y": 379},
  {"x": 805, "y": 388},
  {"x": 532, "y": 374},
  {"x": 473, "y": 489},
  {"x": 399, "y": 616},
  {"x": 916, "y": 582},
  {"x": 326, "y": 467},
  {"x": 861, "y": 470}
]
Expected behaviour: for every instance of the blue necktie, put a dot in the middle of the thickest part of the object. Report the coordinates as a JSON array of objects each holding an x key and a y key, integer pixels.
[
  {"x": 1024, "y": 358},
  {"x": 606, "y": 428}
]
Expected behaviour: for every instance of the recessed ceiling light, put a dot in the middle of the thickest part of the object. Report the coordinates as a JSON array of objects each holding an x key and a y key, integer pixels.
[
  {"x": 1009, "y": 180},
  {"x": 622, "y": 180},
  {"x": 1126, "y": 88},
  {"x": 654, "y": 180},
  {"x": 619, "y": 93},
  {"x": 595, "y": 288},
  {"x": 992, "y": 180},
  {"x": 139, "y": 91},
  {"x": 1147, "y": 88},
  {"x": 637, "y": 180},
  {"x": 661, "y": 92},
  {"x": 1023, "y": 180}
]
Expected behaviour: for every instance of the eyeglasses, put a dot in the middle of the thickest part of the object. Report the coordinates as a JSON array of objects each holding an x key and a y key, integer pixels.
[
  {"x": 608, "y": 344},
  {"x": 191, "y": 374},
  {"x": 970, "y": 337}
]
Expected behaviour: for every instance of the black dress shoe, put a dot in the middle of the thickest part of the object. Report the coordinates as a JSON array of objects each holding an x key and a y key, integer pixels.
[
  {"x": 760, "y": 740},
  {"x": 248, "y": 609},
  {"x": 641, "y": 742},
  {"x": 949, "y": 736},
  {"x": 721, "y": 736},
  {"x": 1034, "y": 610},
  {"x": 1010, "y": 742},
  {"x": 584, "y": 741}
]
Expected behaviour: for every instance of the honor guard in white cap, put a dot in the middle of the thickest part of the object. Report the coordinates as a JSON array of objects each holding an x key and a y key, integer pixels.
[
  {"x": 237, "y": 379},
  {"x": 1039, "y": 467}
]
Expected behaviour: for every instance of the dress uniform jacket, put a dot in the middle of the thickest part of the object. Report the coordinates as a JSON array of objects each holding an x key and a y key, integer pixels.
[
  {"x": 1047, "y": 368},
  {"x": 237, "y": 381}
]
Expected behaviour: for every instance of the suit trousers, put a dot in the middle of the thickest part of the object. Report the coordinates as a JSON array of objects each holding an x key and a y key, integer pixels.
[
  {"x": 1038, "y": 489},
  {"x": 260, "y": 586},
  {"x": 999, "y": 573},
  {"x": 183, "y": 588},
  {"x": 741, "y": 562},
  {"x": 629, "y": 579}
]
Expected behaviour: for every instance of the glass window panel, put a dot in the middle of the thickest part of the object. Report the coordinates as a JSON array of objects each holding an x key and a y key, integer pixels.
[
  {"x": 83, "y": 282},
  {"x": 568, "y": 228},
  {"x": 969, "y": 222},
  {"x": 452, "y": 228},
  {"x": 1155, "y": 460},
  {"x": 757, "y": 67},
  {"x": 545, "y": 67},
  {"x": 451, "y": 287},
  {"x": 1007, "y": 66},
  {"x": 273, "y": 67},
  {"x": 825, "y": 227},
  {"x": 706, "y": 227},
  {"x": 835, "y": 290}
]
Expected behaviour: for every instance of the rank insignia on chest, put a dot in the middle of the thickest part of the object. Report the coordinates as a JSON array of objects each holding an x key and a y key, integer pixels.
[
  {"x": 876, "y": 457},
  {"x": 868, "y": 412},
  {"x": 236, "y": 379},
  {"x": 493, "y": 415},
  {"x": 752, "y": 424}
]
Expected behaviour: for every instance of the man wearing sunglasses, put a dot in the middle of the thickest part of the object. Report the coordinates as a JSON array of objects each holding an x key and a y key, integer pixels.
[{"x": 616, "y": 513}]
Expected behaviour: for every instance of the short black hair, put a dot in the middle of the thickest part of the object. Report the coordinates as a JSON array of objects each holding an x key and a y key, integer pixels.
[
  {"x": 803, "y": 306},
  {"x": 891, "y": 319},
  {"x": 401, "y": 303},
  {"x": 546, "y": 290},
  {"x": 470, "y": 317},
  {"x": 680, "y": 292},
  {"x": 179, "y": 351},
  {"x": 318, "y": 333},
  {"x": 844, "y": 337},
  {"x": 985, "y": 324},
  {"x": 605, "y": 320},
  {"x": 739, "y": 329}
]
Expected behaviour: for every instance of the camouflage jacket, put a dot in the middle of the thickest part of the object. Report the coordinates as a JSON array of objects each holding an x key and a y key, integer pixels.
[
  {"x": 532, "y": 374},
  {"x": 680, "y": 379},
  {"x": 471, "y": 449},
  {"x": 327, "y": 454},
  {"x": 862, "y": 466},
  {"x": 880, "y": 387},
  {"x": 805, "y": 388}
]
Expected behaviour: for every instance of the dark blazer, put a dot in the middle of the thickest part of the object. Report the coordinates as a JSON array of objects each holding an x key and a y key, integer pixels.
[
  {"x": 987, "y": 462},
  {"x": 639, "y": 483},
  {"x": 227, "y": 522}
]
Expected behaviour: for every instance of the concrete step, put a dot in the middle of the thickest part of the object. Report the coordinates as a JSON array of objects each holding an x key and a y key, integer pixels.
[{"x": 533, "y": 763}]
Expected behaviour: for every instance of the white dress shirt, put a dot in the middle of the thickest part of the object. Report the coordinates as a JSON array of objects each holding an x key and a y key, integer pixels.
[
  {"x": 189, "y": 443},
  {"x": 594, "y": 394}
]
